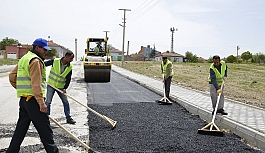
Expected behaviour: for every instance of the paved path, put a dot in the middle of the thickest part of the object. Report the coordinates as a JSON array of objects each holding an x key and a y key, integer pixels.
[{"x": 244, "y": 120}]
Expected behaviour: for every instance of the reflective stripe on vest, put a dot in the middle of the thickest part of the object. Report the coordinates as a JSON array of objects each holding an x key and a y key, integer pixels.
[
  {"x": 219, "y": 76},
  {"x": 56, "y": 78},
  {"x": 165, "y": 68},
  {"x": 23, "y": 82}
]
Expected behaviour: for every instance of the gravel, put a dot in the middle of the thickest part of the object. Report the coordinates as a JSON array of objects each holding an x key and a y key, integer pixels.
[{"x": 148, "y": 127}]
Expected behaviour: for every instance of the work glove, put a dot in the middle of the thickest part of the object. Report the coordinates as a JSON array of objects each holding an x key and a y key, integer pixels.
[
  {"x": 219, "y": 91},
  {"x": 224, "y": 78}
]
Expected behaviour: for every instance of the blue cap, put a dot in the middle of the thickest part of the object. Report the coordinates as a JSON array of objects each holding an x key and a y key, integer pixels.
[{"x": 42, "y": 43}]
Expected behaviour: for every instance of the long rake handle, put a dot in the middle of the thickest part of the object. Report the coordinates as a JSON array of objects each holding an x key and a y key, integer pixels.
[
  {"x": 69, "y": 133},
  {"x": 212, "y": 124},
  {"x": 217, "y": 103},
  {"x": 112, "y": 122}
]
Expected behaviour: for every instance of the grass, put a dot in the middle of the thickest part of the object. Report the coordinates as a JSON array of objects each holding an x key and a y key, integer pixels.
[
  {"x": 8, "y": 61},
  {"x": 245, "y": 82}
]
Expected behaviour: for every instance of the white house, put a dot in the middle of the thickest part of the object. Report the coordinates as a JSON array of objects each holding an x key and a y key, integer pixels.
[
  {"x": 60, "y": 49},
  {"x": 173, "y": 57},
  {"x": 116, "y": 55}
]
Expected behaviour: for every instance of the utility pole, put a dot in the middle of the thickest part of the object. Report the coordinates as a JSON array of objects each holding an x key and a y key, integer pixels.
[
  {"x": 124, "y": 10},
  {"x": 75, "y": 49},
  {"x": 106, "y": 34},
  {"x": 128, "y": 48},
  {"x": 172, "y": 37},
  {"x": 237, "y": 48}
]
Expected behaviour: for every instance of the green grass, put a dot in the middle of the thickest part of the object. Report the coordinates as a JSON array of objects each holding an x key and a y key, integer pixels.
[{"x": 8, "y": 61}]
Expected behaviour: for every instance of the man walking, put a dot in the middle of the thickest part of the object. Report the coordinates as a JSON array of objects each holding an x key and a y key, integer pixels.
[
  {"x": 218, "y": 73},
  {"x": 29, "y": 79},
  {"x": 60, "y": 77},
  {"x": 167, "y": 71}
]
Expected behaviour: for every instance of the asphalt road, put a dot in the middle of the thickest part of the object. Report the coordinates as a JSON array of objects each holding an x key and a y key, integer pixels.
[
  {"x": 147, "y": 127},
  {"x": 142, "y": 124}
]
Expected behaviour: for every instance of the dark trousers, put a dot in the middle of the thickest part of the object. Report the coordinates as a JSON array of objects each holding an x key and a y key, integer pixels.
[
  {"x": 167, "y": 84},
  {"x": 30, "y": 111}
]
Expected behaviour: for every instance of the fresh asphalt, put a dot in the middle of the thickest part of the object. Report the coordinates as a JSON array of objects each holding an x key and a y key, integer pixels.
[{"x": 147, "y": 127}]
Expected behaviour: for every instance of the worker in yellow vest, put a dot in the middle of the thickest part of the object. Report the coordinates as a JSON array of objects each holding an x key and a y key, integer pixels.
[
  {"x": 167, "y": 71},
  {"x": 60, "y": 77},
  {"x": 29, "y": 79},
  {"x": 98, "y": 48},
  {"x": 218, "y": 73}
]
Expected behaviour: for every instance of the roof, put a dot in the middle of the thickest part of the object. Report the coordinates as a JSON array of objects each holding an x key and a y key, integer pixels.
[
  {"x": 171, "y": 54},
  {"x": 52, "y": 44},
  {"x": 116, "y": 51}
]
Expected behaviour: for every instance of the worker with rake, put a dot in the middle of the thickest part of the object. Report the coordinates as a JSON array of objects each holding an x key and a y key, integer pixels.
[
  {"x": 28, "y": 78},
  {"x": 60, "y": 77},
  {"x": 167, "y": 71},
  {"x": 218, "y": 73}
]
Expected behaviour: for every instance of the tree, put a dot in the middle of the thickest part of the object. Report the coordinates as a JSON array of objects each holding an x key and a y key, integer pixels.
[
  {"x": 210, "y": 59},
  {"x": 51, "y": 53},
  {"x": 195, "y": 58},
  {"x": 153, "y": 52},
  {"x": 7, "y": 42},
  {"x": 189, "y": 56},
  {"x": 231, "y": 59},
  {"x": 246, "y": 56},
  {"x": 261, "y": 58},
  {"x": 110, "y": 47}
]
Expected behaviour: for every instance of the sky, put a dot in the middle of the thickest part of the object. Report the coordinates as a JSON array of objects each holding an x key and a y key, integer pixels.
[{"x": 204, "y": 27}]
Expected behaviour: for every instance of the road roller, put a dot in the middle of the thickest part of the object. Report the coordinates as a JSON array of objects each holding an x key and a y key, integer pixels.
[{"x": 97, "y": 62}]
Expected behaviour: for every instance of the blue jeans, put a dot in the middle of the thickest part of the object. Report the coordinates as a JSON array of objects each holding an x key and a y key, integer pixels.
[{"x": 49, "y": 96}]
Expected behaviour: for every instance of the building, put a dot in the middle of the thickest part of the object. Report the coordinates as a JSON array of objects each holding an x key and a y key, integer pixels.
[
  {"x": 172, "y": 56},
  {"x": 116, "y": 55},
  {"x": 59, "y": 49},
  {"x": 16, "y": 51},
  {"x": 2, "y": 53}
]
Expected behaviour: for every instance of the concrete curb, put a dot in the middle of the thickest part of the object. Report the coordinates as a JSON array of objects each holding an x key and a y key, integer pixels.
[
  {"x": 251, "y": 136},
  {"x": 6, "y": 68}
]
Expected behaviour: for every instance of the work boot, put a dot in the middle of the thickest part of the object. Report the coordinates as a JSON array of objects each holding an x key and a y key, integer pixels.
[
  {"x": 70, "y": 121},
  {"x": 221, "y": 111}
]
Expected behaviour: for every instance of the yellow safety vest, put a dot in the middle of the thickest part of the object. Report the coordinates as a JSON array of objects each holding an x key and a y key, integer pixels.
[
  {"x": 56, "y": 78},
  {"x": 219, "y": 76},
  {"x": 164, "y": 67},
  {"x": 23, "y": 82}
]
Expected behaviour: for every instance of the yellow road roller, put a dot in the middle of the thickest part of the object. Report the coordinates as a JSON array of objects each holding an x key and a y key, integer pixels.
[{"x": 97, "y": 62}]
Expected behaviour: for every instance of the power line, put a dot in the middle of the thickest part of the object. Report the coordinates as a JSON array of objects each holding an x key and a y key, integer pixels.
[
  {"x": 135, "y": 11},
  {"x": 141, "y": 14}
]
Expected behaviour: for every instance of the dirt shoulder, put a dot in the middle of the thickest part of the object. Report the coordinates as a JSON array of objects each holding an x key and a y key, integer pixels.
[{"x": 245, "y": 82}]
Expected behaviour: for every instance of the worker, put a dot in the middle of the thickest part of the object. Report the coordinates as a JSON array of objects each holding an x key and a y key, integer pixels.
[
  {"x": 98, "y": 48},
  {"x": 60, "y": 78},
  {"x": 167, "y": 71},
  {"x": 218, "y": 73},
  {"x": 28, "y": 78}
]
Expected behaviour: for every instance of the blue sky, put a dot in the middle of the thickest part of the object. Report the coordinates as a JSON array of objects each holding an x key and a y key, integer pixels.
[{"x": 205, "y": 28}]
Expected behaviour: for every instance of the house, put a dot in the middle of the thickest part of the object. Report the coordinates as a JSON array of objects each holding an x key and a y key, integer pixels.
[
  {"x": 172, "y": 56},
  {"x": 16, "y": 51},
  {"x": 116, "y": 55},
  {"x": 59, "y": 49},
  {"x": 144, "y": 54},
  {"x": 202, "y": 59},
  {"x": 2, "y": 53}
]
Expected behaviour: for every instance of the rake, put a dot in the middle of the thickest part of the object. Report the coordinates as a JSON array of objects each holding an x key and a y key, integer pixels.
[
  {"x": 112, "y": 122},
  {"x": 211, "y": 131},
  {"x": 74, "y": 137}
]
